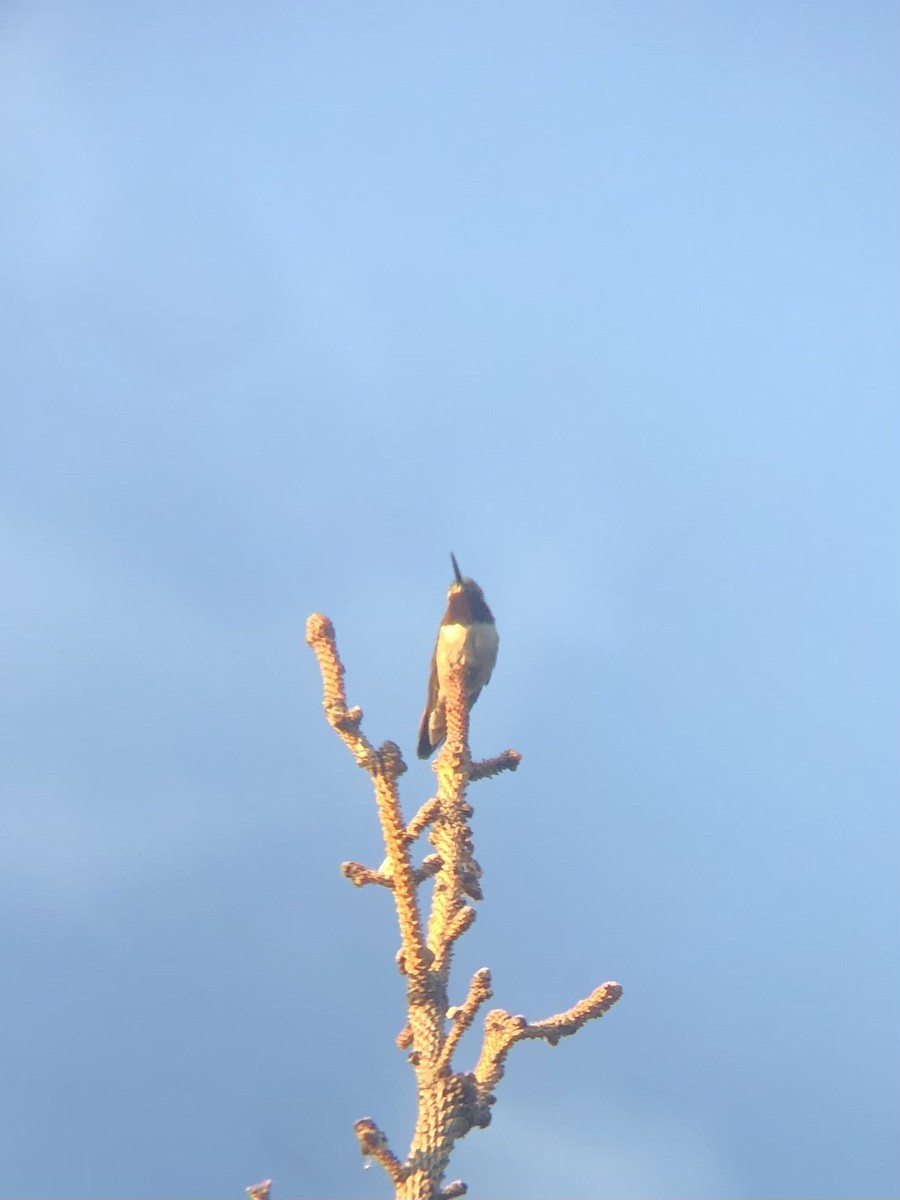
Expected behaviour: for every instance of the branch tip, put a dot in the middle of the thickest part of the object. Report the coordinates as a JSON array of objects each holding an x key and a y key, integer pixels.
[
  {"x": 502, "y": 1031},
  {"x": 319, "y": 628},
  {"x": 360, "y": 875},
  {"x": 507, "y": 761},
  {"x": 374, "y": 1144}
]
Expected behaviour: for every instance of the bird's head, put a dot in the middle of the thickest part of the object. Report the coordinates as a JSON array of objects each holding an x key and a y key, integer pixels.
[{"x": 462, "y": 584}]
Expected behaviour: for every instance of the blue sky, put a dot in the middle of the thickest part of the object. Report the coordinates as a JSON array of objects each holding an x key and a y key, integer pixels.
[{"x": 298, "y": 298}]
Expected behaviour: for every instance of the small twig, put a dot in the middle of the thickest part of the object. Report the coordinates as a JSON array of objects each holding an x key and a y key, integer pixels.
[
  {"x": 423, "y": 818},
  {"x": 360, "y": 875},
  {"x": 502, "y": 1031},
  {"x": 462, "y": 1017},
  {"x": 431, "y": 864},
  {"x": 507, "y": 761},
  {"x": 373, "y": 1144},
  {"x": 463, "y": 919}
]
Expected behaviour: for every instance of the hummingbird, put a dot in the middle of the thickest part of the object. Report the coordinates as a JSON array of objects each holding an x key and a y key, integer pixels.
[{"x": 467, "y": 636}]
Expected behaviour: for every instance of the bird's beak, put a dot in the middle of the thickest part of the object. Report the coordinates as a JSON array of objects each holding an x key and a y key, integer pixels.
[{"x": 456, "y": 569}]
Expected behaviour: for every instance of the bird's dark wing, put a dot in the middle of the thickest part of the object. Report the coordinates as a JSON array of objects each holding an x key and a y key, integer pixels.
[{"x": 426, "y": 748}]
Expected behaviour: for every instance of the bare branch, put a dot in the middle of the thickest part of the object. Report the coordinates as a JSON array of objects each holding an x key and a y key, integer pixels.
[
  {"x": 462, "y": 1017},
  {"x": 359, "y": 875},
  {"x": 423, "y": 818},
  {"x": 374, "y": 1144},
  {"x": 450, "y": 1103},
  {"x": 502, "y": 1031},
  {"x": 507, "y": 761}
]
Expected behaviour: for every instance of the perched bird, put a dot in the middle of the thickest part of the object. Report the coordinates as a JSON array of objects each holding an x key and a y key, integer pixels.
[{"x": 467, "y": 636}]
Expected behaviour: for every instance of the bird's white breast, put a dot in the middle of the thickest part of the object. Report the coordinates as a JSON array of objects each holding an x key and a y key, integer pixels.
[{"x": 471, "y": 646}]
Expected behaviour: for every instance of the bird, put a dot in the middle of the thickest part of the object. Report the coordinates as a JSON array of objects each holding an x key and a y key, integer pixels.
[{"x": 467, "y": 637}]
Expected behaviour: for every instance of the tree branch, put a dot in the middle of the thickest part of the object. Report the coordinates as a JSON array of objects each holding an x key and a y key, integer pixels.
[{"x": 450, "y": 1103}]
